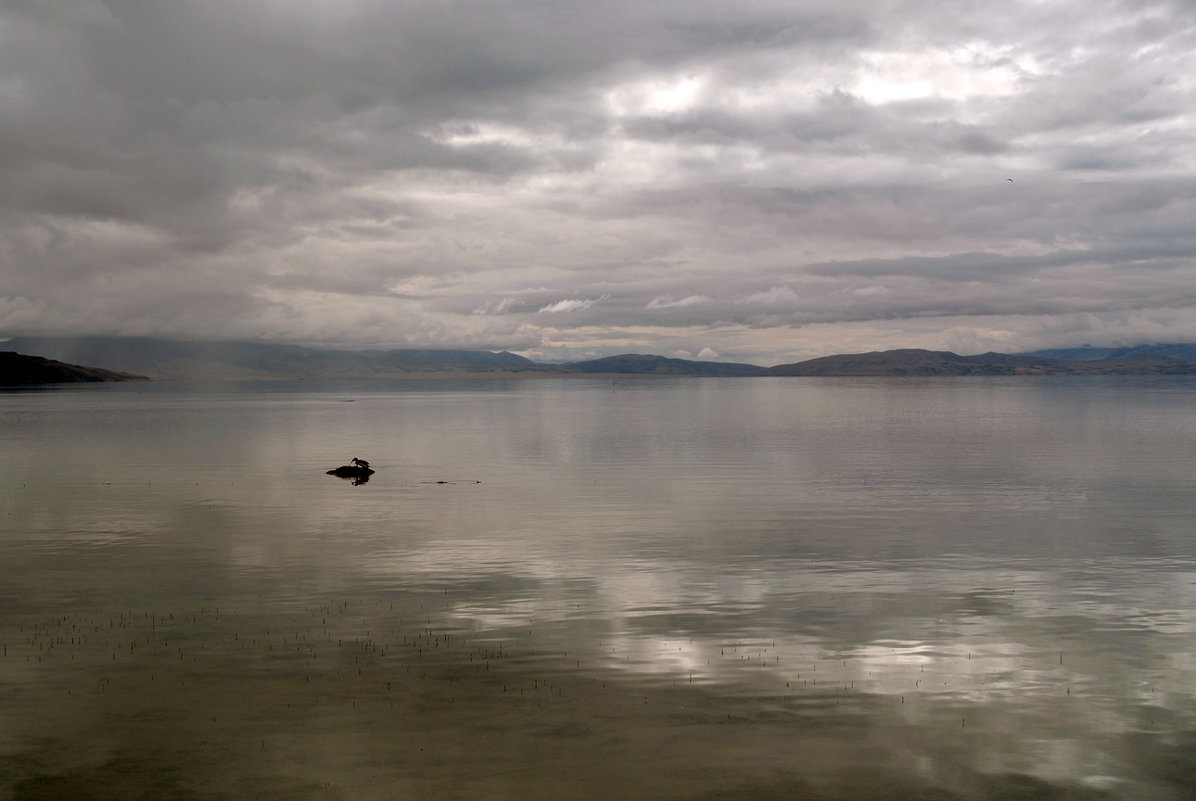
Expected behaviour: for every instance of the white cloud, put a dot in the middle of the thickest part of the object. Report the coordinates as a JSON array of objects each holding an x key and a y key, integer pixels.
[
  {"x": 568, "y": 305},
  {"x": 497, "y": 306},
  {"x": 656, "y": 95},
  {"x": 964, "y": 71},
  {"x": 665, "y": 303},
  {"x": 776, "y": 296}
]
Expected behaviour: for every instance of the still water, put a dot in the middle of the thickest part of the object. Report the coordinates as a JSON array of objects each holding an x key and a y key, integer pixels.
[{"x": 638, "y": 589}]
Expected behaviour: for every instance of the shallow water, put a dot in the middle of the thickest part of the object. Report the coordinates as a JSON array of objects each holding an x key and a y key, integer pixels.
[{"x": 777, "y": 588}]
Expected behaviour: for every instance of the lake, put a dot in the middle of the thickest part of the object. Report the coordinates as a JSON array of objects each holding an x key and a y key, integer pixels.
[{"x": 824, "y": 589}]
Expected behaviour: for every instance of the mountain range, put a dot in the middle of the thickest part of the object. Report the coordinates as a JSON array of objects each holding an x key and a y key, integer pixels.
[
  {"x": 913, "y": 362},
  {"x": 126, "y": 357}
]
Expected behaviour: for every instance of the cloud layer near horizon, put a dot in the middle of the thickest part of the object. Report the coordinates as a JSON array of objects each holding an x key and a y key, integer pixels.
[{"x": 755, "y": 182}]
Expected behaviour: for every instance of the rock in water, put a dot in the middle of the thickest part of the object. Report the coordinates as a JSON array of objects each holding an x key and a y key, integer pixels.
[{"x": 359, "y": 471}]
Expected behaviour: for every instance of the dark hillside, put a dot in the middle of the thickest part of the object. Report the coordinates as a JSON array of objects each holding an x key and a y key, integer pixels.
[
  {"x": 944, "y": 363},
  {"x": 17, "y": 370},
  {"x": 913, "y": 362},
  {"x": 640, "y": 364}
]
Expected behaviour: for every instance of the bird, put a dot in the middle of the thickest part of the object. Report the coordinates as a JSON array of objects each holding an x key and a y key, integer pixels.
[{"x": 1010, "y": 180}]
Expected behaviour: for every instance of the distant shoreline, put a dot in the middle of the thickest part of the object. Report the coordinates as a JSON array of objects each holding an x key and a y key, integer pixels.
[{"x": 60, "y": 360}]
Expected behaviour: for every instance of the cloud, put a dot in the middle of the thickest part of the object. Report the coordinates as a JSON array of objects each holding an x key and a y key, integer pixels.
[
  {"x": 497, "y": 306},
  {"x": 568, "y": 305},
  {"x": 665, "y": 303},
  {"x": 866, "y": 291},
  {"x": 774, "y": 296},
  {"x": 739, "y": 178}
]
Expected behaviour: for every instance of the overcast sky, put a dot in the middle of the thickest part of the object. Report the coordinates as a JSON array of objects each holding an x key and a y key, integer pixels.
[{"x": 756, "y": 180}]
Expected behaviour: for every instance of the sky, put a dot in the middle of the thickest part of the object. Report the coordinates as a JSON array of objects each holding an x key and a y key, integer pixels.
[{"x": 749, "y": 181}]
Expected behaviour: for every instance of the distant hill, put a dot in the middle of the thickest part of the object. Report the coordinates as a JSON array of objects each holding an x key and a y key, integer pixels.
[
  {"x": 169, "y": 359},
  {"x": 17, "y": 370},
  {"x": 638, "y": 364},
  {"x": 1186, "y": 352},
  {"x": 913, "y": 362}
]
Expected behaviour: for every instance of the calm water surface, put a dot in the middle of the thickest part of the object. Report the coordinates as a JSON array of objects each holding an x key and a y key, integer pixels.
[{"x": 745, "y": 588}]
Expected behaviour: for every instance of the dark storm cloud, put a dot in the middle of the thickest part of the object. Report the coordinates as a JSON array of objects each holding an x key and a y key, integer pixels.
[{"x": 564, "y": 177}]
